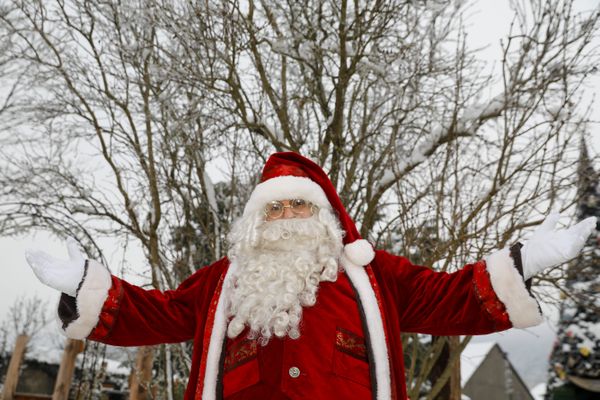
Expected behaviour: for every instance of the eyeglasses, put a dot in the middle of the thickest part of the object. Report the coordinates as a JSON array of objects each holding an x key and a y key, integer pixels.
[{"x": 275, "y": 209}]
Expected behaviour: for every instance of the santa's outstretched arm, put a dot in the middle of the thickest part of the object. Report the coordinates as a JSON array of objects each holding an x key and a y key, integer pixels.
[
  {"x": 97, "y": 305},
  {"x": 487, "y": 296}
]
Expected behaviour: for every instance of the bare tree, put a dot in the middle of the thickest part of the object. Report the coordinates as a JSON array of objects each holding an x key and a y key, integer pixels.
[
  {"x": 25, "y": 317},
  {"x": 127, "y": 104},
  {"x": 389, "y": 97},
  {"x": 101, "y": 95},
  {"x": 12, "y": 75}
]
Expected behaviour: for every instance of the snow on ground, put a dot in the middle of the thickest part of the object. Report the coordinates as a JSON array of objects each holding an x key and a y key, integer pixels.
[{"x": 539, "y": 391}]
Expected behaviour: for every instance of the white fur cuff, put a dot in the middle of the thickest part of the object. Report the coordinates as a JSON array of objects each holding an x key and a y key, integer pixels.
[
  {"x": 91, "y": 295},
  {"x": 284, "y": 188},
  {"x": 508, "y": 284}
]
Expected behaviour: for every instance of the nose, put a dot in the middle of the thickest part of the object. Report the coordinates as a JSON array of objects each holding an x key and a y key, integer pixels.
[{"x": 287, "y": 213}]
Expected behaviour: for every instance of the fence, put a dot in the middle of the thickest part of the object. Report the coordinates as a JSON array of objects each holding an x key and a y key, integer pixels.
[{"x": 138, "y": 381}]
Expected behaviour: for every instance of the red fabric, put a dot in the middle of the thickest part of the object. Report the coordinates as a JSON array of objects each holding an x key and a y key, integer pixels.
[
  {"x": 272, "y": 170},
  {"x": 290, "y": 163},
  {"x": 487, "y": 296},
  {"x": 350, "y": 343},
  {"x": 417, "y": 299},
  {"x": 239, "y": 352},
  {"x": 148, "y": 317},
  {"x": 413, "y": 298},
  {"x": 330, "y": 354},
  {"x": 109, "y": 312}
]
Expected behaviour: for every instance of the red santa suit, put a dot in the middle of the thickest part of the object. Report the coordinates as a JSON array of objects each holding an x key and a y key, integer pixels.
[{"x": 350, "y": 344}]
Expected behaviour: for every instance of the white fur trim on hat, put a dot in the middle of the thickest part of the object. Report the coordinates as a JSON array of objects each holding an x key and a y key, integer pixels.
[
  {"x": 284, "y": 188},
  {"x": 360, "y": 252},
  {"x": 90, "y": 299},
  {"x": 523, "y": 310}
]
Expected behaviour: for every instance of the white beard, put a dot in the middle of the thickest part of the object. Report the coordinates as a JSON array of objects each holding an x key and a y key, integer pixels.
[{"x": 278, "y": 273}]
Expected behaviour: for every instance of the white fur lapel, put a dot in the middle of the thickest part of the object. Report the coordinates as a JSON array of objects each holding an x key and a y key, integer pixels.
[
  {"x": 359, "y": 278},
  {"x": 217, "y": 336}
]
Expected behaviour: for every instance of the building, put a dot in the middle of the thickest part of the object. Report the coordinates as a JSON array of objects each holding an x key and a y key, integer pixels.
[{"x": 486, "y": 373}]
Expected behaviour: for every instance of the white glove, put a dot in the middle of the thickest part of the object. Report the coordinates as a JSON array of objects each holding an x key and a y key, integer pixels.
[
  {"x": 58, "y": 274},
  {"x": 549, "y": 247}
]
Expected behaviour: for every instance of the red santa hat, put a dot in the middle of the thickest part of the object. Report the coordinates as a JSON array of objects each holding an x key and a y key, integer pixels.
[{"x": 288, "y": 175}]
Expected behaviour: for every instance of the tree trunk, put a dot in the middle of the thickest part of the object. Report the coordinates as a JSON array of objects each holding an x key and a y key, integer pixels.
[
  {"x": 66, "y": 369},
  {"x": 452, "y": 389},
  {"x": 439, "y": 367},
  {"x": 12, "y": 374},
  {"x": 139, "y": 380}
]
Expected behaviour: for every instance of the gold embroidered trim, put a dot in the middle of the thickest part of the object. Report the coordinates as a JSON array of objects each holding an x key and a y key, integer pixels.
[
  {"x": 240, "y": 353},
  {"x": 351, "y": 344}
]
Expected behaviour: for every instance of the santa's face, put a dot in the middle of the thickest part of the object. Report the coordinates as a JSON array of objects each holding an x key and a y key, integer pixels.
[{"x": 277, "y": 266}]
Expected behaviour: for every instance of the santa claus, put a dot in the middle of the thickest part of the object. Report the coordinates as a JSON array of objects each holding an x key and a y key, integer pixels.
[{"x": 302, "y": 307}]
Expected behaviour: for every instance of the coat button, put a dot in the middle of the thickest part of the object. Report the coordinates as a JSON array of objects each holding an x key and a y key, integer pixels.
[{"x": 294, "y": 372}]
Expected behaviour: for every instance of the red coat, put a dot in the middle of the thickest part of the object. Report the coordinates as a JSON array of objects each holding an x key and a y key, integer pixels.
[
  {"x": 328, "y": 361},
  {"x": 392, "y": 294}
]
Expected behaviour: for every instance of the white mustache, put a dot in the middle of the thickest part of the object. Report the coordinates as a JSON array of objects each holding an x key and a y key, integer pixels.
[{"x": 285, "y": 229}]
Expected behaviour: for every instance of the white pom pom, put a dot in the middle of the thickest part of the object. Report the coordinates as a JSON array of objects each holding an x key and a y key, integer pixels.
[{"x": 360, "y": 252}]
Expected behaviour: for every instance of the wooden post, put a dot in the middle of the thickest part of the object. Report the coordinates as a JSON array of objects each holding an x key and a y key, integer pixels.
[
  {"x": 12, "y": 374},
  {"x": 139, "y": 380},
  {"x": 66, "y": 369},
  {"x": 455, "y": 387}
]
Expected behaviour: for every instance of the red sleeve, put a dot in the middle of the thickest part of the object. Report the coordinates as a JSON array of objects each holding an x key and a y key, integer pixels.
[
  {"x": 459, "y": 303},
  {"x": 132, "y": 316},
  {"x": 110, "y": 310}
]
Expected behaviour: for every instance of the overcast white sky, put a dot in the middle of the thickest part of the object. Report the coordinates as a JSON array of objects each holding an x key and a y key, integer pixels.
[{"x": 528, "y": 350}]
